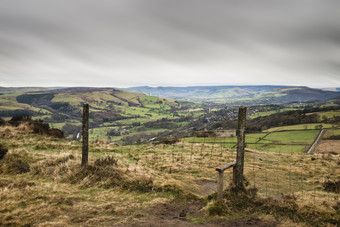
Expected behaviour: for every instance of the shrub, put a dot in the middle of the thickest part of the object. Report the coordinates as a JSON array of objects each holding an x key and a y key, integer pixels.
[
  {"x": 3, "y": 151},
  {"x": 70, "y": 129},
  {"x": 14, "y": 164},
  {"x": 107, "y": 161},
  {"x": 2, "y": 122},
  {"x": 218, "y": 209},
  {"x": 17, "y": 120},
  {"x": 56, "y": 133},
  {"x": 55, "y": 162},
  {"x": 100, "y": 176},
  {"x": 333, "y": 137},
  {"x": 332, "y": 186},
  {"x": 168, "y": 141}
]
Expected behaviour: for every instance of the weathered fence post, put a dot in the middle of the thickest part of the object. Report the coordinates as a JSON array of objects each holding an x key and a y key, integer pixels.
[
  {"x": 85, "y": 135},
  {"x": 220, "y": 183},
  {"x": 238, "y": 169}
]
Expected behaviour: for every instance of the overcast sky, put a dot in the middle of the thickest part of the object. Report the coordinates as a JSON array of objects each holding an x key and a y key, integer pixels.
[{"x": 124, "y": 43}]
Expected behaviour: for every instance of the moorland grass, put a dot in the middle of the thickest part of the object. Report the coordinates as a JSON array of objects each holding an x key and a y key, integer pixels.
[{"x": 124, "y": 184}]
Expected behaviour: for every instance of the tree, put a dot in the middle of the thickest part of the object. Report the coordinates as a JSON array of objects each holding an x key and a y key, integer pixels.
[
  {"x": 324, "y": 118},
  {"x": 318, "y": 127}
]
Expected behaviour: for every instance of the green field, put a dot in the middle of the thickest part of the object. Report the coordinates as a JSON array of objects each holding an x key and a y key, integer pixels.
[
  {"x": 270, "y": 112},
  {"x": 332, "y": 132},
  {"x": 288, "y": 141},
  {"x": 329, "y": 114},
  {"x": 300, "y": 127}
]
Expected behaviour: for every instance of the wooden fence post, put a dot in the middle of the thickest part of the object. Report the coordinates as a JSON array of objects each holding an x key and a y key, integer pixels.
[
  {"x": 220, "y": 183},
  {"x": 238, "y": 169},
  {"x": 85, "y": 135}
]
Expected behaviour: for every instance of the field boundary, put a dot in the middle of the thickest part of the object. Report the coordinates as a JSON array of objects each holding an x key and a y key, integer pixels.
[{"x": 316, "y": 140}]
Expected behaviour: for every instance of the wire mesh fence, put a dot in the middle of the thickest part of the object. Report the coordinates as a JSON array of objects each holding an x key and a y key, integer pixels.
[{"x": 274, "y": 172}]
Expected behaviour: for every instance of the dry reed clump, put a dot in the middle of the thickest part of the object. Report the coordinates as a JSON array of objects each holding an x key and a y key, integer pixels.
[
  {"x": 55, "y": 167},
  {"x": 26, "y": 124},
  {"x": 104, "y": 173},
  {"x": 7, "y": 132},
  {"x": 99, "y": 141},
  {"x": 107, "y": 161},
  {"x": 15, "y": 163},
  {"x": 95, "y": 176},
  {"x": 43, "y": 145},
  {"x": 66, "y": 169},
  {"x": 18, "y": 183},
  {"x": 24, "y": 127},
  {"x": 60, "y": 160}
]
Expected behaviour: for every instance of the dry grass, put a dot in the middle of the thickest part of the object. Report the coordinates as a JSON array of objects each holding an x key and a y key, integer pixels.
[
  {"x": 123, "y": 185},
  {"x": 328, "y": 147}
]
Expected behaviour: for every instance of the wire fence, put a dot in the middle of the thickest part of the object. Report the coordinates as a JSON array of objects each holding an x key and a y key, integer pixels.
[
  {"x": 276, "y": 163},
  {"x": 309, "y": 178}
]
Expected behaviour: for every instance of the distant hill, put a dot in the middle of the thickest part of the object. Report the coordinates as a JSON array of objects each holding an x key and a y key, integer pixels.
[
  {"x": 287, "y": 95},
  {"x": 16, "y": 90},
  {"x": 68, "y": 101},
  {"x": 203, "y": 93},
  {"x": 240, "y": 95},
  {"x": 113, "y": 113},
  {"x": 120, "y": 115}
]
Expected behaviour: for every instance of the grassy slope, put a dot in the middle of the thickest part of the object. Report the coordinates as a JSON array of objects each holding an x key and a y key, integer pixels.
[
  {"x": 47, "y": 196},
  {"x": 8, "y": 102},
  {"x": 328, "y": 114}
]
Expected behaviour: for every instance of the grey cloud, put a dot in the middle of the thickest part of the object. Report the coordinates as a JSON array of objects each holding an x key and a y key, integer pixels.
[{"x": 138, "y": 42}]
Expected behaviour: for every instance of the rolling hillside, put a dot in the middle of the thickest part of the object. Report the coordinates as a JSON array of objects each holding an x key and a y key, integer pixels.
[
  {"x": 68, "y": 100},
  {"x": 129, "y": 117},
  {"x": 113, "y": 113},
  {"x": 241, "y": 95}
]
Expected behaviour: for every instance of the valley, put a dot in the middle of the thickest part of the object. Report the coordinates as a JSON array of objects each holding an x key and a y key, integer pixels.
[{"x": 129, "y": 117}]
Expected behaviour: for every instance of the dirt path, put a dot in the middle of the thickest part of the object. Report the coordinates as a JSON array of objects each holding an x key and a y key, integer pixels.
[{"x": 176, "y": 213}]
